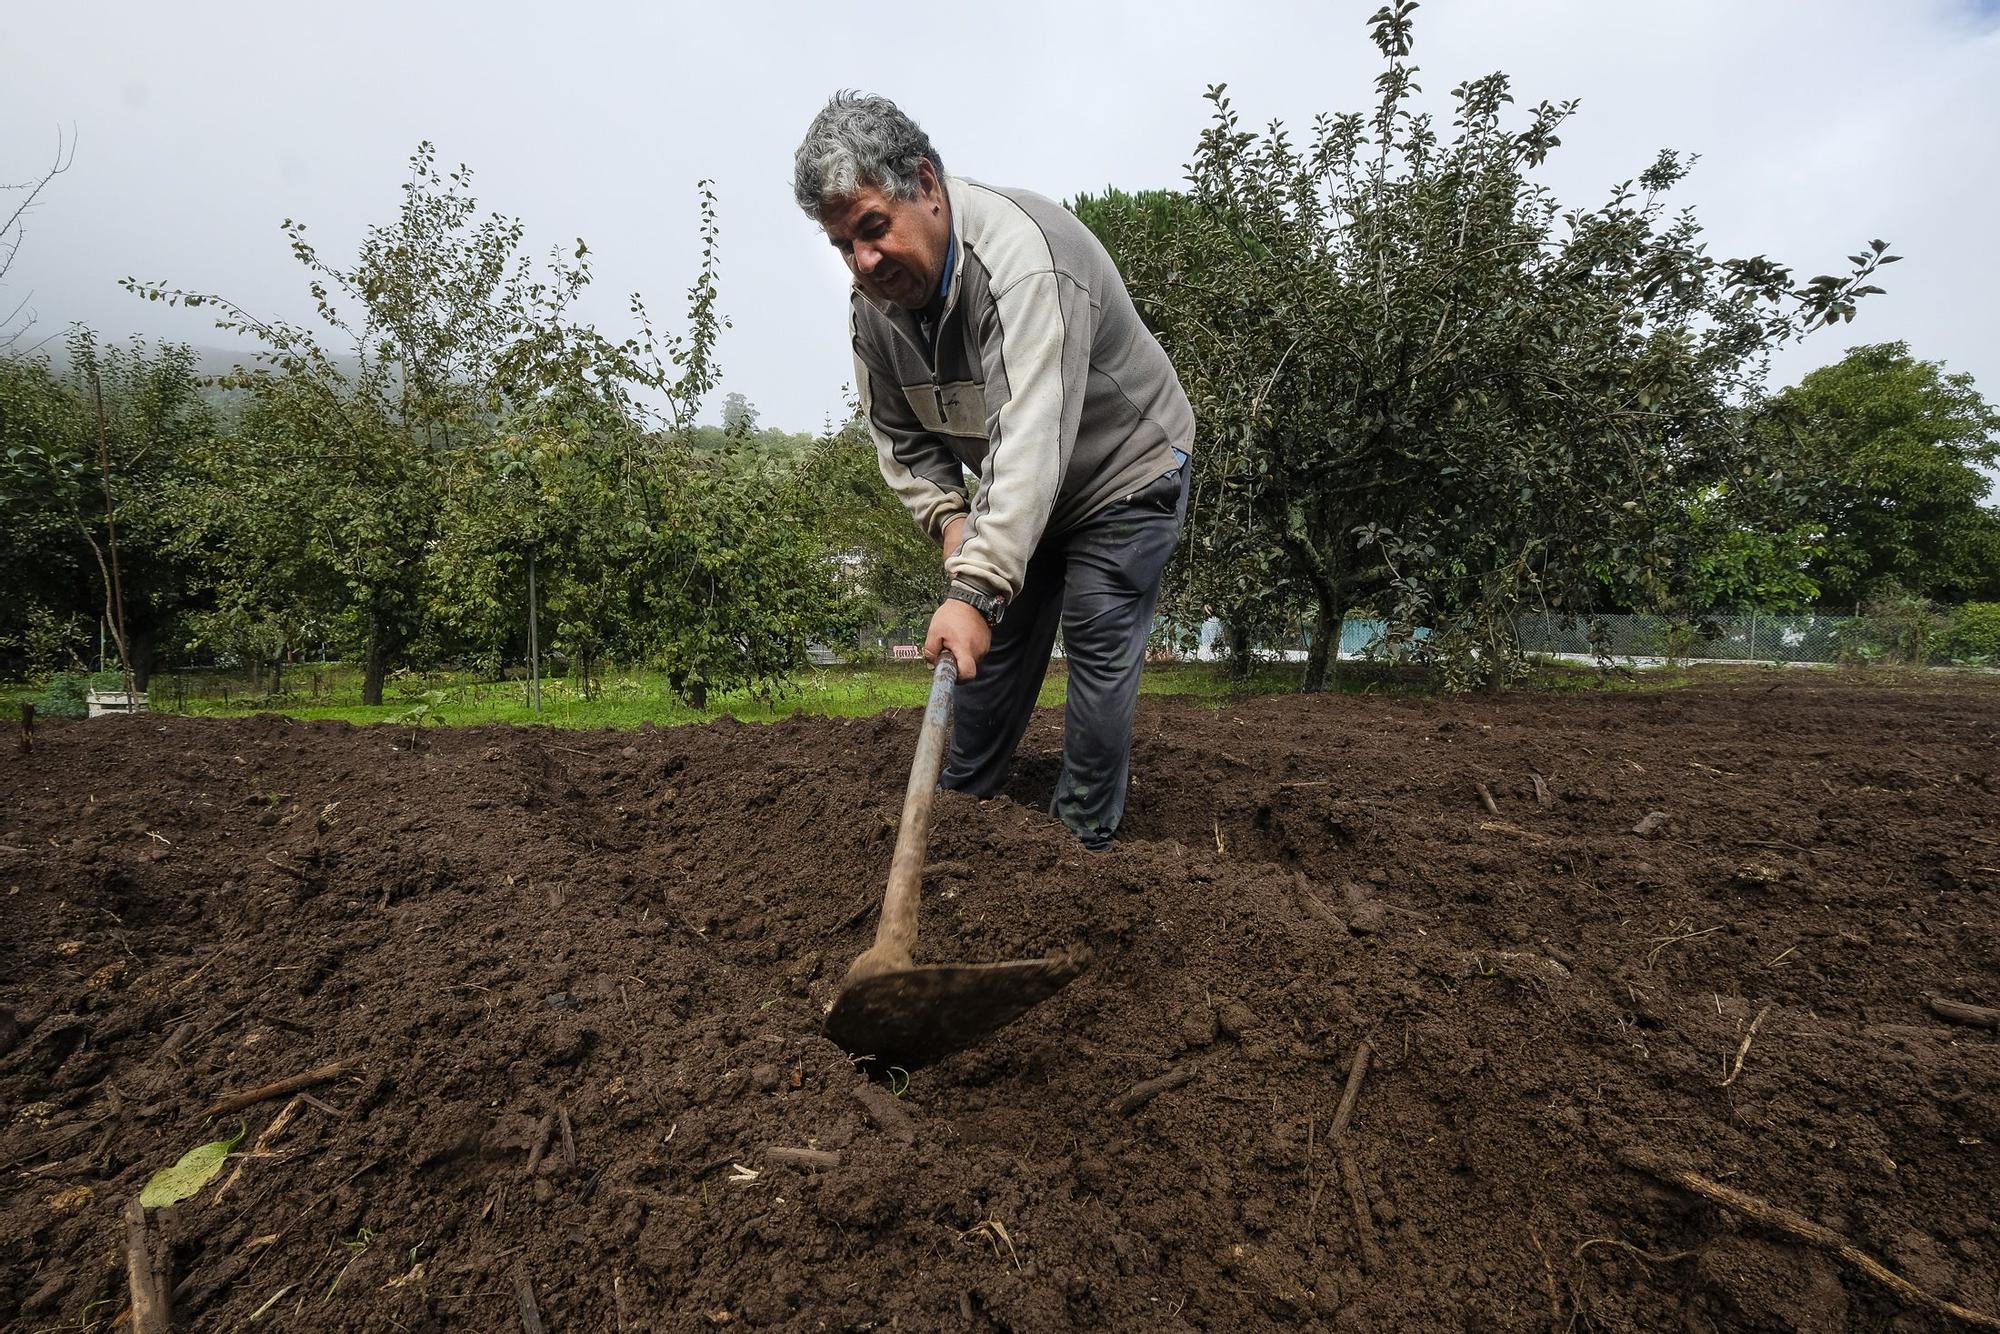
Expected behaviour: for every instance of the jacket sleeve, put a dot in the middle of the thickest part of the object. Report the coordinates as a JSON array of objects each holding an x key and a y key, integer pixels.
[
  {"x": 925, "y": 475},
  {"x": 1036, "y": 353}
]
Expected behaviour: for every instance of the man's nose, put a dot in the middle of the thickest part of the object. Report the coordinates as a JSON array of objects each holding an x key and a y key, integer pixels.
[{"x": 866, "y": 257}]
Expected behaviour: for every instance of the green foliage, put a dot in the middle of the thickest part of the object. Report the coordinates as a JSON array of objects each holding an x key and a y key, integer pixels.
[
  {"x": 64, "y": 696},
  {"x": 1973, "y": 638},
  {"x": 40, "y": 640},
  {"x": 77, "y": 504},
  {"x": 1897, "y": 628},
  {"x": 889, "y": 571},
  {"x": 196, "y": 1168},
  {"x": 1893, "y": 447},
  {"x": 1160, "y": 240},
  {"x": 447, "y": 422},
  {"x": 1425, "y": 385}
]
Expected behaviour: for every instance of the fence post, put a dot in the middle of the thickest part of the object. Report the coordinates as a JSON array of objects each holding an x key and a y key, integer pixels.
[{"x": 1753, "y": 633}]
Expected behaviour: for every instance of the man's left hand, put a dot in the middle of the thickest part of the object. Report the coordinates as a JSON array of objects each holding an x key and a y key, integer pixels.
[{"x": 956, "y": 626}]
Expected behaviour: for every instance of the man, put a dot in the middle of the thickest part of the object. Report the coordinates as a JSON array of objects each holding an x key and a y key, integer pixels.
[{"x": 992, "y": 333}]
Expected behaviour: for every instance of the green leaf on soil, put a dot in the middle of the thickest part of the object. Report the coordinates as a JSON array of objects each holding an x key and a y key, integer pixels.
[{"x": 171, "y": 1185}]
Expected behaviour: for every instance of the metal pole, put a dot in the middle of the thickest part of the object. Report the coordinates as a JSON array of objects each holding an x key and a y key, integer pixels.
[
  {"x": 534, "y": 640},
  {"x": 1753, "y": 633}
]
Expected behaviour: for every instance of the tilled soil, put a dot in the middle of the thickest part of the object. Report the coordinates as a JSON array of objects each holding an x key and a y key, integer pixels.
[{"x": 580, "y": 978}]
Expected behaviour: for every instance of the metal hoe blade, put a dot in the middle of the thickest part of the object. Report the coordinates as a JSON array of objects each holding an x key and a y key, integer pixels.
[{"x": 910, "y": 1017}]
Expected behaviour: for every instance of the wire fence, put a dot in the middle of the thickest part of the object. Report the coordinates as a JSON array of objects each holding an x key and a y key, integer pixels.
[
  {"x": 1643, "y": 640},
  {"x": 1806, "y": 637}
]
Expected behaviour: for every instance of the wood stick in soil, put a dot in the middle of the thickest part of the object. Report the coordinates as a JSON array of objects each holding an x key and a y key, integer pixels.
[
  {"x": 1144, "y": 1092},
  {"x": 541, "y": 1144},
  {"x": 1744, "y": 1050},
  {"x": 1364, "y": 1220},
  {"x": 1958, "y": 1012},
  {"x": 531, "y": 1314},
  {"x": 264, "y": 1141},
  {"x": 1799, "y": 1228},
  {"x": 1316, "y": 905},
  {"x": 568, "y": 1138},
  {"x": 146, "y": 1273},
  {"x": 1542, "y": 798},
  {"x": 236, "y": 1102},
  {"x": 1486, "y": 799},
  {"x": 1356, "y": 1072},
  {"x": 811, "y": 1159}
]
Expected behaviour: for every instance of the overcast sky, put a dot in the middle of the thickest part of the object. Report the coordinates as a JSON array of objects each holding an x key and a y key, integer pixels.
[{"x": 199, "y": 127}]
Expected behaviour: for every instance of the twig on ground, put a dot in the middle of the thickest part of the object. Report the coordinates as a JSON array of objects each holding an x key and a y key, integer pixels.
[
  {"x": 524, "y": 1294},
  {"x": 1316, "y": 905},
  {"x": 1670, "y": 1258},
  {"x": 1548, "y": 1279},
  {"x": 1486, "y": 799},
  {"x": 1800, "y": 1228},
  {"x": 146, "y": 1259},
  {"x": 1744, "y": 1049},
  {"x": 568, "y": 1138},
  {"x": 264, "y": 1141},
  {"x": 1350, "y": 1175},
  {"x": 1356, "y": 1072},
  {"x": 1687, "y": 932},
  {"x": 236, "y": 1102},
  {"x": 816, "y": 1159},
  {"x": 1958, "y": 1012},
  {"x": 1542, "y": 797},
  {"x": 541, "y": 1144},
  {"x": 1364, "y": 1222},
  {"x": 1144, "y": 1092}
]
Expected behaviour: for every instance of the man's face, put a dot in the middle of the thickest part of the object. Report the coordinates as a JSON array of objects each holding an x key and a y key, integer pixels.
[{"x": 894, "y": 247}]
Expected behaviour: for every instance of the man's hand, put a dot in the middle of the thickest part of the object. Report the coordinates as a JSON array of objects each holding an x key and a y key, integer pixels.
[{"x": 956, "y": 626}]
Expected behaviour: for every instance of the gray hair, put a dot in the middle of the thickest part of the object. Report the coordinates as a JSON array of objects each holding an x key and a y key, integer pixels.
[{"x": 859, "y": 139}]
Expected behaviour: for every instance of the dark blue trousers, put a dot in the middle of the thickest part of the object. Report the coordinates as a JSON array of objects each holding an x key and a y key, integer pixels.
[{"x": 1098, "y": 583}]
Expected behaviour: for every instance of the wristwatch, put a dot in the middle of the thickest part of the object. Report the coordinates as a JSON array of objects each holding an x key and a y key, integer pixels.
[{"x": 992, "y": 608}]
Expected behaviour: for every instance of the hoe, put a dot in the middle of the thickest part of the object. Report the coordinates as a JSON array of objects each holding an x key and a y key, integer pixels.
[{"x": 892, "y": 1013}]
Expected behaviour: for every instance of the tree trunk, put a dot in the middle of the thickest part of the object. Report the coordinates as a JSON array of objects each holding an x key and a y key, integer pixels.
[
  {"x": 145, "y": 648},
  {"x": 534, "y": 640},
  {"x": 1323, "y": 653},
  {"x": 373, "y": 660},
  {"x": 1241, "y": 662}
]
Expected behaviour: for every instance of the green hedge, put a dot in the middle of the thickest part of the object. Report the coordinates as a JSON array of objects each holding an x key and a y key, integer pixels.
[{"x": 1973, "y": 636}]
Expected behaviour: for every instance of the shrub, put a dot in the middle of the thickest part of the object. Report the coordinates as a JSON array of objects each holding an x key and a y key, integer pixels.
[
  {"x": 64, "y": 697},
  {"x": 1973, "y": 636}
]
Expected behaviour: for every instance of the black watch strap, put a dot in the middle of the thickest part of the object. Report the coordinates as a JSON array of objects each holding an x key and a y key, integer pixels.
[{"x": 992, "y": 608}]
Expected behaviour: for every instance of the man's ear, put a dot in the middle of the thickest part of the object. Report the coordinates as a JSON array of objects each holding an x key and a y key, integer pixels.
[{"x": 927, "y": 178}]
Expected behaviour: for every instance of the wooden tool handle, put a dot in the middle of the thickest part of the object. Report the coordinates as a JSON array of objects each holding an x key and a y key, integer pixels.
[{"x": 898, "y": 928}]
